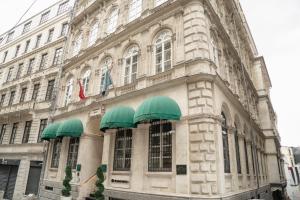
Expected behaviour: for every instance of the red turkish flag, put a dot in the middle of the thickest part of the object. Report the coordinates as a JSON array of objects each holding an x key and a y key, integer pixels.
[{"x": 81, "y": 91}]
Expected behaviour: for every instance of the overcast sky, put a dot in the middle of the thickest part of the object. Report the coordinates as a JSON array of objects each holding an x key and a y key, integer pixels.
[{"x": 275, "y": 26}]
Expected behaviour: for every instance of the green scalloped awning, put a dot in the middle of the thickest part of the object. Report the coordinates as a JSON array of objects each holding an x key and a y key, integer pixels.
[
  {"x": 157, "y": 108},
  {"x": 118, "y": 117},
  {"x": 50, "y": 131},
  {"x": 70, "y": 128}
]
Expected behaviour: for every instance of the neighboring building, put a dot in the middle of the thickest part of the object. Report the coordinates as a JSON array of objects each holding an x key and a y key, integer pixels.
[
  {"x": 190, "y": 101},
  {"x": 292, "y": 170},
  {"x": 30, "y": 56}
]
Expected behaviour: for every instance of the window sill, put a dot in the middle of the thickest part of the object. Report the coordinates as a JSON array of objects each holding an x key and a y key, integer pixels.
[
  {"x": 121, "y": 172},
  {"x": 53, "y": 169},
  {"x": 159, "y": 174}
]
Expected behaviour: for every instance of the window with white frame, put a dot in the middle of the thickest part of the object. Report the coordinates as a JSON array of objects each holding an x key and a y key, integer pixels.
[
  {"x": 163, "y": 48},
  {"x": 26, "y": 27},
  {"x": 160, "y": 146},
  {"x": 86, "y": 80},
  {"x": 131, "y": 63},
  {"x": 135, "y": 9},
  {"x": 112, "y": 21},
  {"x": 64, "y": 29},
  {"x": 56, "y": 153},
  {"x": 45, "y": 17},
  {"x": 10, "y": 36},
  {"x": 44, "y": 59},
  {"x": 63, "y": 7},
  {"x": 73, "y": 152},
  {"x": 159, "y": 2},
  {"x": 122, "y": 151},
  {"x": 77, "y": 44},
  {"x": 93, "y": 34},
  {"x": 107, "y": 63},
  {"x": 58, "y": 56},
  {"x": 69, "y": 90}
]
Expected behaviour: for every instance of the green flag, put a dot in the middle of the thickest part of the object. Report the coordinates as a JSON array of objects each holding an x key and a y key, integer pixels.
[{"x": 106, "y": 83}]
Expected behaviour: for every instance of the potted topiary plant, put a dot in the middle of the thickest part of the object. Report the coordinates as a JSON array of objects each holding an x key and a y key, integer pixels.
[
  {"x": 66, "y": 191},
  {"x": 99, "y": 185}
]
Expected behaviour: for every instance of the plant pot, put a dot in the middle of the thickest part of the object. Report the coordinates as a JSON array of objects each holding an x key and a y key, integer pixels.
[{"x": 65, "y": 198}]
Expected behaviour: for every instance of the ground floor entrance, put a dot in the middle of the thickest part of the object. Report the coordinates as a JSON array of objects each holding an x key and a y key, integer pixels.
[{"x": 8, "y": 176}]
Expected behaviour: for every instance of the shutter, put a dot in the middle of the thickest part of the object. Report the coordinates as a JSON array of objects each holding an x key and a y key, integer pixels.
[
  {"x": 33, "y": 178},
  {"x": 8, "y": 194},
  {"x": 4, "y": 172}
]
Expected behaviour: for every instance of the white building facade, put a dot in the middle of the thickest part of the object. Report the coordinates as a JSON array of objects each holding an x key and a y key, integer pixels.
[
  {"x": 188, "y": 114},
  {"x": 30, "y": 56}
]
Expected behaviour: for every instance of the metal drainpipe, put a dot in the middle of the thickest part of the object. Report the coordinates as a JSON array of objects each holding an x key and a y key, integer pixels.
[{"x": 54, "y": 100}]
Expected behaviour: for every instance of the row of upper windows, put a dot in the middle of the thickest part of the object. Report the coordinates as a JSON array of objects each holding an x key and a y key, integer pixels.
[
  {"x": 24, "y": 92},
  {"x": 14, "y": 74},
  {"x": 135, "y": 10},
  {"x": 162, "y": 54},
  {"x": 26, "y": 134},
  {"x": 63, "y": 7},
  {"x": 37, "y": 44}
]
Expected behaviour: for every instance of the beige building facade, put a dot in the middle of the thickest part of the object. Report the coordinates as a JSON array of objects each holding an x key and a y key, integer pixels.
[
  {"x": 30, "y": 54},
  {"x": 197, "y": 56}
]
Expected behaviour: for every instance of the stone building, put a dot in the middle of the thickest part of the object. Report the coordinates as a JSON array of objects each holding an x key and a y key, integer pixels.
[
  {"x": 30, "y": 54},
  {"x": 188, "y": 114}
]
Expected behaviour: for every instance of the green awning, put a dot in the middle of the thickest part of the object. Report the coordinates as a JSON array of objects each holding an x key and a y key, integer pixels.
[
  {"x": 157, "y": 108},
  {"x": 118, "y": 117},
  {"x": 50, "y": 131},
  {"x": 70, "y": 128}
]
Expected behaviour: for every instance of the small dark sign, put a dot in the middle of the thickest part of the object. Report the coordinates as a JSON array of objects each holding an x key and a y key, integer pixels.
[
  {"x": 104, "y": 168},
  {"x": 181, "y": 169},
  {"x": 78, "y": 167}
]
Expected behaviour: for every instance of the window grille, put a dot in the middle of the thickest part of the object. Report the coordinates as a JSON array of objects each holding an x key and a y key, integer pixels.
[
  {"x": 73, "y": 152},
  {"x": 49, "y": 92},
  {"x": 123, "y": 146},
  {"x": 13, "y": 133},
  {"x": 26, "y": 131},
  {"x": 56, "y": 153}
]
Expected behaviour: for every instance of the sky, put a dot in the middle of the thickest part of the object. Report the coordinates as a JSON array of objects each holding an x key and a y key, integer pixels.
[{"x": 275, "y": 26}]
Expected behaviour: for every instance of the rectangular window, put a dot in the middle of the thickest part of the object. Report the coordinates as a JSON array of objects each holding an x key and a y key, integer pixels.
[
  {"x": 2, "y": 99},
  {"x": 23, "y": 94},
  {"x": 26, "y": 27},
  {"x": 45, "y": 17},
  {"x": 43, "y": 124},
  {"x": 2, "y": 132},
  {"x": 56, "y": 153},
  {"x": 10, "y": 36},
  {"x": 13, "y": 133},
  {"x": 50, "y": 90},
  {"x": 246, "y": 156},
  {"x": 73, "y": 152},
  {"x": 43, "y": 62},
  {"x": 160, "y": 147},
  {"x": 4, "y": 56},
  {"x": 35, "y": 92},
  {"x": 63, "y": 7},
  {"x": 123, "y": 146},
  {"x": 30, "y": 65},
  {"x": 27, "y": 131},
  {"x": 38, "y": 41},
  {"x": 9, "y": 74},
  {"x": 64, "y": 29},
  {"x": 27, "y": 46},
  {"x": 11, "y": 98},
  {"x": 50, "y": 35},
  {"x": 57, "y": 56},
  {"x": 20, "y": 69},
  {"x": 17, "y": 50}
]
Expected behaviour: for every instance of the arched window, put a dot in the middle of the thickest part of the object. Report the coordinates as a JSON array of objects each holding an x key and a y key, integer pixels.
[
  {"x": 135, "y": 9},
  {"x": 93, "y": 34},
  {"x": 159, "y": 2},
  {"x": 225, "y": 144},
  {"x": 112, "y": 21},
  {"x": 163, "y": 49},
  {"x": 77, "y": 44},
  {"x": 131, "y": 63},
  {"x": 69, "y": 90},
  {"x": 106, "y": 65},
  {"x": 86, "y": 80},
  {"x": 237, "y": 149}
]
